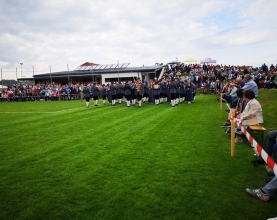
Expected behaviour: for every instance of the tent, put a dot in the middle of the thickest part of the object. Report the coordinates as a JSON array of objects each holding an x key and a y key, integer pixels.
[
  {"x": 190, "y": 60},
  {"x": 207, "y": 60},
  {"x": 174, "y": 62}
]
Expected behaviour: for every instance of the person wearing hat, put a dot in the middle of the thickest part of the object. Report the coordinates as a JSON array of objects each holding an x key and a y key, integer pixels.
[
  {"x": 127, "y": 92},
  {"x": 145, "y": 91},
  {"x": 113, "y": 92},
  {"x": 172, "y": 91},
  {"x": 133, "y": 96},
  {"x": 120, "y": 92},
  {"x": 139, "y": 91},
  {"x": 163, "y": 93},
  {"x": 86, "y": 92},
  {"x": 156, "y": 91},
  {"x": 104, "y": 93},
  {"x": 182, "y": 92},
  {"x": 95, "y": 92},
  {"x": 177, "y": 91}
]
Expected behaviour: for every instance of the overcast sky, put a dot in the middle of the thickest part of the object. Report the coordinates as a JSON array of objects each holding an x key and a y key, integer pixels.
[{"x": 39, "y": 33}]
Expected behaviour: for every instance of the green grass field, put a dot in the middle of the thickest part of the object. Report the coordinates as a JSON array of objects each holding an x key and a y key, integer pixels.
[{"x": 61, "y": 160}]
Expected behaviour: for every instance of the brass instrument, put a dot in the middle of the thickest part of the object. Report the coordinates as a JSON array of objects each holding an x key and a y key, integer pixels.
[{"x": 138, "y": 86}]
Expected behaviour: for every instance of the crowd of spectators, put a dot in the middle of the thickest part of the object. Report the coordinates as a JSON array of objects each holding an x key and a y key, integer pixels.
[{"x": 208, "y": 77}]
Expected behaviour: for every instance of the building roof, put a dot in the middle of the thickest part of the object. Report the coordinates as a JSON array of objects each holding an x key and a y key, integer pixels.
[
  {"x": 95, "y": 71},
  {"x": 89, "y": 64}
]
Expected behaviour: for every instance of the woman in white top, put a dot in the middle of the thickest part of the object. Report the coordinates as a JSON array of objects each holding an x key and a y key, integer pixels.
[{"x": 251, "y": 115}]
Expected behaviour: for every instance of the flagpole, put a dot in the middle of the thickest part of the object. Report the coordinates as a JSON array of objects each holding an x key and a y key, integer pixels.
[
  {"x": 50, "y": 75},
  {"x": 67, "y": 74},
  {"x": 16, "y": 73},
  {"x": 1, "y": 79},
  {"x": 33, "y": 74},
  {"x": 92, "y": 71},
  {"x": 118, "y": 71}
]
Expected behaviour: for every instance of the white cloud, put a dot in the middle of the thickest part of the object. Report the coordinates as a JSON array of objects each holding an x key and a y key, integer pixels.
[{"x": 57, "y": 33}]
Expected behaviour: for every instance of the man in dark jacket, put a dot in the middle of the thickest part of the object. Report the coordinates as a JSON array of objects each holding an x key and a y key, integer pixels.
[
  {"x": 172, "y": 91},
  {"x": 95, "y": 93},
  {"x": 86, "y": 92}
]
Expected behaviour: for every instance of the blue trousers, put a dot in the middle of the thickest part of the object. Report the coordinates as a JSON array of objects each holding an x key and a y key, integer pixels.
[{"x": 271, "y": 187}]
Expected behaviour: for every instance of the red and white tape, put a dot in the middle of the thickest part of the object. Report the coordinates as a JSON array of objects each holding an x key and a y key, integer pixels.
[{"x": 271, "y": 164}]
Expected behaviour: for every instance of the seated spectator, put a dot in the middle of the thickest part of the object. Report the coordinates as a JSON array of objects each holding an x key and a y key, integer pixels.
[
  {"x": 212, "y": 85},
  {"x": 250, "y": 84},
  {"x": 252, "y": 114},
  {"x": 234, "y": 99},
  {"x": 271, "y": 81},
  {"x": 237, "y": 110},
  {"x": 227, "y": 97}
]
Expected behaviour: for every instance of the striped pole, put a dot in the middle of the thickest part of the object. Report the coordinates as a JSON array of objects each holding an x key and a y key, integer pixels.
[{"x": 271, "y": 164}]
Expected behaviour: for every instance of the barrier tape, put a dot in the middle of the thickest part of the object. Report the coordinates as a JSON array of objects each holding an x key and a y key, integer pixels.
[{"x": 271, "y": 164}]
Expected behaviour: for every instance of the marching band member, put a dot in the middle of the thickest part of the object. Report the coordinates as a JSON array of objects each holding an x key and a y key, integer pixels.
[
  {"x": 86, "y": 92},
  {"x": 182, "y": 92},
  {"x": 163, "y": 88},
  {"x": 95, "y": 92},
  {"x": 113, "y": 93},
  {"x": 108, "y": 93},
  {"x": 156, "y": 90},
  {"x": 151, "y": 91},
  {"x": 127, "y": 91},
  {"x": 177, "y": 91},
  {"x": 104, "y": 93},
  {"x": 172, "y": 91},
  {"x": 145, "y": 91},
  {"x": 133, "y": 91},
  {"x": 139, "y": 91},
  {"x": 120, "y": 91}
]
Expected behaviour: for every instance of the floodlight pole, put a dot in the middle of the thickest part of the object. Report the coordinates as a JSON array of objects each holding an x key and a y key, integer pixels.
[
  {"x": 92, "y": 71},
  {"x": 1, "y": 79},
  {"x": 33, "y": 74},
  {"x": 16, "y": 73},
  {"x": 118, "y": 71},
  {"x": 50, "y": 75},
  {"x": 21, "y": 69}
]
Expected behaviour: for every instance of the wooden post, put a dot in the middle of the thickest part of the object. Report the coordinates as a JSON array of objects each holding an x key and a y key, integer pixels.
[
  {"x": 233, "y": 113},
  {"x": 220, "y": 97}
]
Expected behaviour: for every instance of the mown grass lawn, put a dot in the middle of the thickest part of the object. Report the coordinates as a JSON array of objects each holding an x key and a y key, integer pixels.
[{"x": 60, "y": 160}]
